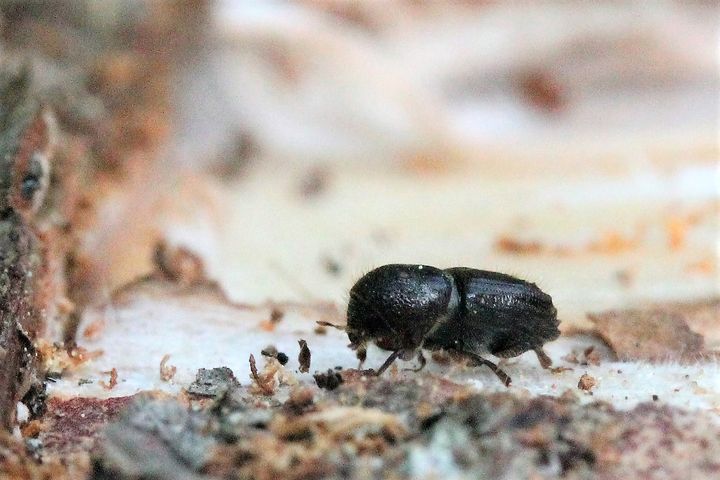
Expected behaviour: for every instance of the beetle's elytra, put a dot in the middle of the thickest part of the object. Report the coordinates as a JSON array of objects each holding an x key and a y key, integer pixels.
[{"x": 405, "y": 308}]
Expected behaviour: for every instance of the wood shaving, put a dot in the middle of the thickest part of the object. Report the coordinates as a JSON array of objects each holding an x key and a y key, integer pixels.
[
  {"x": 167, "y": 372},
  {"x": 264, "y": 384},
  {"x": 56, "y": 358},
  {"x": 113, "y": 380}
]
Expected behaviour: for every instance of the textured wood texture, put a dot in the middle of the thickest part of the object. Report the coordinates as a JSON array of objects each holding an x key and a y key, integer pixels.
[{"x": 23, "y": 135}]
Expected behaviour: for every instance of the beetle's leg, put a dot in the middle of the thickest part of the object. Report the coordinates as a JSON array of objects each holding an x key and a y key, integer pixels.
[
  {"x": 543, "y": 358},
  {"x": 361, "y": 354},
  {"x": 421, "y": 359},
  {"x": 504, "y": 377},
  {"x": 393, "y": 356}
]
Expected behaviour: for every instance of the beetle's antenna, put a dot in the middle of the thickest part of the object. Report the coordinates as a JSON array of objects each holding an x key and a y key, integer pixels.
[{"x": 333, "y": 325}]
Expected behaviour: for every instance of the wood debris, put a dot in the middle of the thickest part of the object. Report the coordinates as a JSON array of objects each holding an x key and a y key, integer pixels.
[
  {"x": 589, "y": 356},
  {"x": 266, "y": 383},
  {"x": 112, "y": 383},
  {"x": 653, "y": 335},
  {"x": 272, "y": 352},
  {"x": 586, "y": 382},
  {"x": 213, "y": 382},
  {"x": 608, "y": 242},
  {"x": 304, "y": 356},
  {"x": 179, "y": 264},
  {"x": 167, "y": 372},
  {"x": 329, "y": 380}
]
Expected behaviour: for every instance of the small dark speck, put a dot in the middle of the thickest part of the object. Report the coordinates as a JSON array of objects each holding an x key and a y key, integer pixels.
[
  {"x": 329, "y": 380},
  {"x": 624, "y": 278},
  {"x": 655, "y": 398},
  {"x": 314, "y": 183},
  {"x": 332, "y": 267},
  {"x": 276, "y": 315},
  {"x": 271, "y": 351}
]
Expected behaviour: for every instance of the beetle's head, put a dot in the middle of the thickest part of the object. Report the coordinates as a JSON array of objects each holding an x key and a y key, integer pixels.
[{"x": 395, "y": 306}]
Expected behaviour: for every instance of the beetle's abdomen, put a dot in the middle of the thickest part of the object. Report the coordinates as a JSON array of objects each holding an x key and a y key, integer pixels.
[
  {"x": 396, "y": 305},
  {"x": 499, "y": 314}
]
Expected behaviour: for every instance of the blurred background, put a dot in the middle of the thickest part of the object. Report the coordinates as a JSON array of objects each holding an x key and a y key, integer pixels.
[
  {"x": 570, "y": 143},
  {"x": 300, "y": 144}
]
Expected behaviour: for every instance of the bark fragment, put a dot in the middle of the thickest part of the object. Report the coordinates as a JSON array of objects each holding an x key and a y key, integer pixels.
[
  {"x": 23, "y": 140},
  {"x": 653, "y": 335}
]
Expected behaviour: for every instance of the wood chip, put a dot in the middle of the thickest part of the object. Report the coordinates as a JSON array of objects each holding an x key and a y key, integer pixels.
[
  {"x": 650, "y": 335},
  {"x": 304, "y": 356},
  {"x": 586, "y": 382}
]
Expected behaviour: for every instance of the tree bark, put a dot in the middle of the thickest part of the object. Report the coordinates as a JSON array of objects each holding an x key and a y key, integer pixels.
[{"x": 23, "y": 172}]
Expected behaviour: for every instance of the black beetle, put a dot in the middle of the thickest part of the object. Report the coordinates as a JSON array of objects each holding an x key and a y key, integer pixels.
[{"x": 405, "y": 308}]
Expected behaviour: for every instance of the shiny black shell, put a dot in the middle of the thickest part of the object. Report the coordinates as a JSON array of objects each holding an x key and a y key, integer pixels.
[
  {"x": 497, "y": 314},
  {"x": 405, "y": 307},
  {"x": 396, "y": 305}
]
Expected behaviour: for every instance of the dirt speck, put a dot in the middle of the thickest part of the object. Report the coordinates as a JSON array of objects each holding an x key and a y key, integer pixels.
[
  {"x": 587, "y": 382},
  {"x": 543, "y": 91},
  {"x": 272, "y": 352},
  {"x": 276, "y": 315},
  {"x": 329, "y": 380}
]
